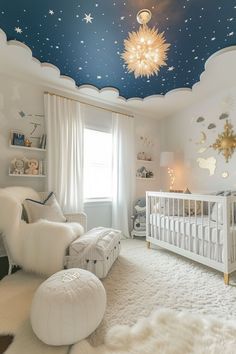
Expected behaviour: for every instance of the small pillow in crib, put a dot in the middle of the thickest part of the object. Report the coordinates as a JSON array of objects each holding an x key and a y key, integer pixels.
[{"x": 49, "y": 209}]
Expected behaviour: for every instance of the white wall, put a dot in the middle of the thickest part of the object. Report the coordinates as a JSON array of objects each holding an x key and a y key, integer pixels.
[
  {"x": 183, "y": 134},
  {"x": 150, "y": 129},
  {"x": 17, "y": 95}
]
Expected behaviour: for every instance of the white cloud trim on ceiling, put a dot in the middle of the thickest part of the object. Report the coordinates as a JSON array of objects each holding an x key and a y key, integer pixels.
[{"x": 219, "y": 73}]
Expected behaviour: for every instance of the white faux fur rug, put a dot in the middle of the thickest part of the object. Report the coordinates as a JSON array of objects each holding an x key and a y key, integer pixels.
[
  {"x": 167, "y": 332},
  {"x": 140, "y": 282}
]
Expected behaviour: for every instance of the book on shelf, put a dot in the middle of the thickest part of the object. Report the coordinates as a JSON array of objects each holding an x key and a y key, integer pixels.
[
  {"x": 43, "y": 141},
  {"x": 17, "y": 138}
]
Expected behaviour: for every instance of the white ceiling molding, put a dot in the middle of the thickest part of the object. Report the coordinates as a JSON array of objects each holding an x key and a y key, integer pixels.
[{"x": 220, "y": 73}]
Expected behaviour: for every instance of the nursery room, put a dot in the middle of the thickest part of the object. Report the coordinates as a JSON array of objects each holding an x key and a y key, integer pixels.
[{"x": 117, "y": 177}]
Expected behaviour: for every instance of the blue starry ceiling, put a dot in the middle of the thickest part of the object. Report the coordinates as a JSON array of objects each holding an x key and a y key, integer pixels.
[{"x": 84, "y": 39}]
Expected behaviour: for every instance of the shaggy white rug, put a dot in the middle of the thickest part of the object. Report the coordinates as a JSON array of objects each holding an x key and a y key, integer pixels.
[
  {"x": 140, "y": 282},
  {"x": 167, "y": 332}
]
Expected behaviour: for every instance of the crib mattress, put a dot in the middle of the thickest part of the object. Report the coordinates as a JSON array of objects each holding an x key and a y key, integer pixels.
[{"x": 190, "y": 226}]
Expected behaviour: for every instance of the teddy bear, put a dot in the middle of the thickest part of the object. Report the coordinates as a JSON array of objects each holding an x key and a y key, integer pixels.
[{"x": 32, "y": 167}]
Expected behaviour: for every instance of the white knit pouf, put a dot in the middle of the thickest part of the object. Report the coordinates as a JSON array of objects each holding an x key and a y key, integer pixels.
[{"x": 67, "y": 307}]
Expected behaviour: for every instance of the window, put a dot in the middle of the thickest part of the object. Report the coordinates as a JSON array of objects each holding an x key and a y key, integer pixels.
[{"x": 97, "y": 164}]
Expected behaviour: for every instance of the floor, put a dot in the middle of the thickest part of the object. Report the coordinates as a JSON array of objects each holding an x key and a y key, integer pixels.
[{"x": 143, "y": 280}]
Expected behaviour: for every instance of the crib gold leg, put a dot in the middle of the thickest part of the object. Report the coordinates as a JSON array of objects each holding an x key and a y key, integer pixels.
[
  {"x": 148, "y": 244},
  {"x": 226, "y": 278}
]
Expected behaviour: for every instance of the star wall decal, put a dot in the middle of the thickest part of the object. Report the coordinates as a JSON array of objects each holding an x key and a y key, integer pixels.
[
  {"x": 51, "y": 12},
  {"x": 88, "y": 18}
]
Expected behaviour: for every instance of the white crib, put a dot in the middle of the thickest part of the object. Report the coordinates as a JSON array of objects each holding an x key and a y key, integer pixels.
[{"x": 199, "y": 227}]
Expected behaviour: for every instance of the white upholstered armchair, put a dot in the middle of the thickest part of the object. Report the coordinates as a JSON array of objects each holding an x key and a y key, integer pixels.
[{"x": 39, "y": 246}]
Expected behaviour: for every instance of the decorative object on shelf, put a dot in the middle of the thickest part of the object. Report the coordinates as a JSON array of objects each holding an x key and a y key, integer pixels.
[
  {"x": 142, "y": 172},
  {"x": 144, "y": 156},
  {"x": 146, "y": 50},
  {"x": 33, "y": 167},
  {"x": 226, "y": 141},
  {"x": 167, "y": 159},
  {"x": 146, "y": 141},
  {"x": 18, "y": 166},
  {"x": 17, "y": 138},
  {"x": 208, "y": 163},
  {"x": 27, "y": 143}
]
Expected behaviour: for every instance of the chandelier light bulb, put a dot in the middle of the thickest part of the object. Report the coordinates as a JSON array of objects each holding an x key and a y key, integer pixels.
[{"x": 148, "y": 47}]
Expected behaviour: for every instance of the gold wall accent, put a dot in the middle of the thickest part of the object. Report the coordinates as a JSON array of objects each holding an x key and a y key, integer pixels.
[{"x": 226, "y": 141}]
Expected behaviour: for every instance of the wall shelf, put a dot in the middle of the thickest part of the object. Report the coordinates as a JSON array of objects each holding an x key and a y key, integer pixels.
[
  {"x": 151, "y": 178},
  {"x": 26, "y": 148},
  {"x": 145, "y": 161},
  {"x": 25, "y": 175}
]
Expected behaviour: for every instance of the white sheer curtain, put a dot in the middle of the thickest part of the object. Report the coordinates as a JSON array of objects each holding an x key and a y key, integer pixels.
[
  {"x": 123, "y": 172},
  {"x": 65, "y": 127}
]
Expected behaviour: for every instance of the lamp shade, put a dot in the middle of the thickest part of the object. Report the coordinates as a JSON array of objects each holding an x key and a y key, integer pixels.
[{"x": 167, "y": 158}]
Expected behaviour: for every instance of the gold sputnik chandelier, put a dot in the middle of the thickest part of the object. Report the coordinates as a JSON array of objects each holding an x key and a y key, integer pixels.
[
  {"x": 226, "y": 141},
  {"x": 145, "y": 50}
]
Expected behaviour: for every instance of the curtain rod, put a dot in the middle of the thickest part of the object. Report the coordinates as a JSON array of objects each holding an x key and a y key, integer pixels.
[{"x": 89, "y": 104}]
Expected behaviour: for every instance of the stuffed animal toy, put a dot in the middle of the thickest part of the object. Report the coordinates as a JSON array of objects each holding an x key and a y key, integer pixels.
[
  {"x": 32, "y": 167},
  {"x": 139, "y": 217},
  {"x": 142, "y": 172},
  {"x": 18, "y": 166}
]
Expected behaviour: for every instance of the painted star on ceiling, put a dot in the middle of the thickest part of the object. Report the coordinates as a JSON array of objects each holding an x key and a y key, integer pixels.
[
  {"x": 88, "y": 18},
  {"x": 65, "y": 34},
  {"x": 18, "y": 30}
]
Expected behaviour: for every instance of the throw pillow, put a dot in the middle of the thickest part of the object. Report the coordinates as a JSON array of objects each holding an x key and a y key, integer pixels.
[{"x": 49, "y": 209}]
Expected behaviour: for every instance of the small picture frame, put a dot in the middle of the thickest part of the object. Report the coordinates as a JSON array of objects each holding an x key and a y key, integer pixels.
[{"x": 18, "y": 138}]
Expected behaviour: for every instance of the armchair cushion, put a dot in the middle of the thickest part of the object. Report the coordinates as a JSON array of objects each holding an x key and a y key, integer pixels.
[{"x": 49, "y": 209}]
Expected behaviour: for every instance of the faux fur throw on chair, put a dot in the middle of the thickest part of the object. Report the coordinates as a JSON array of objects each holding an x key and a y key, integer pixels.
[{"x": 39, "y": 247}]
